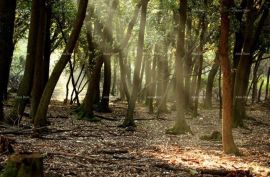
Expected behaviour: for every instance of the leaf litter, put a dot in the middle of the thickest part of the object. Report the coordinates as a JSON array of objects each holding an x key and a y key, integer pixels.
[{"x": 80, "y": 148}]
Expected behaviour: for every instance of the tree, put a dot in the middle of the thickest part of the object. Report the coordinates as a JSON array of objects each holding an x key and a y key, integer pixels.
[
  {"x": 181, "y": 125},
  {"x": 129, "y": 121},
  {"x": 210, "y": 82},
  {"x": 7, "y": 18},
  {"x": 40, "y": 116},
  {"x": 252, "y": 28},
  {"x": 227, "y": 137}
]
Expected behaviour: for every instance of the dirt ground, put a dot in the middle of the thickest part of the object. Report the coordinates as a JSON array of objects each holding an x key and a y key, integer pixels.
[{"x": 80, "y": 148}]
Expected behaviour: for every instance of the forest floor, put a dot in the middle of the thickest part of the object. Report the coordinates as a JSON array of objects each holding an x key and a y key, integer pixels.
[{"x": 80, "y": 148}]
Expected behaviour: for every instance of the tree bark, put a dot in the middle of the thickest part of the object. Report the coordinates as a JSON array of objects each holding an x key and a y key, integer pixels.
[
  {"x": 267, "y": 85},
  {"x": 26, "y": 83},
  {"x": 210, "y": 82},
  {"x": 181, "y": 125},
  {"x": 227, "y": 137},
  {"x": 129, "y": 120},
  {"x": 38, "y": 82},
  {"x": 7, "y": 18},
  {"x": 260, "y": 91},
  {"x": 59, "y": 67},
  {"x": 252, "y": 32}
]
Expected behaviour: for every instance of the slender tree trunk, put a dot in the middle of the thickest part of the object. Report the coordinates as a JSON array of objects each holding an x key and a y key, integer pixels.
[
  {"x": 227, "y": 137},
  {"x": 123, "y": 68},
  {"x": 153, "y": 83},
  {"x": 59, "y": 67},
  {"x": 147, "y": 79},
  {"x": 188, "y": 65},
  {"x": 26, "y": 83},
  {"x": 47, "y": 53},
  {"x": 255, "y": 81},
  {"x": 38, "y": 82},
  {"x": 7, "y": 18},
  {"x": 210, "y": 82},
  {"x": 267, "y": 85},
  {"x": 87, "y": 106},
  {"x": 260, "y": 91},
  {"x": 129, "y": 121},
  {"x": 104, "y": 105},
  {"x": 181, "y": 125},
  {"x": 203, "y": 26},
  {"x": 114, "y": 78}
]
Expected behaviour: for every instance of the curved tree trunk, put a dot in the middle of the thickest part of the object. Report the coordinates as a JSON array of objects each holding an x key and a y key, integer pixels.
[
  {"x": 7, "y": 18},
  {"x": 59, "y": 67}
]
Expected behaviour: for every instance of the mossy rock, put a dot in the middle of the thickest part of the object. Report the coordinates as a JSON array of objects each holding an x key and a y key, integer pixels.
[{"x": 215, "y": 136}]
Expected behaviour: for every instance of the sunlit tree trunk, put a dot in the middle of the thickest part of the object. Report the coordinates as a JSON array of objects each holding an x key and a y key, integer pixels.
[
  {"x": 104, "y": 105},
  {"x": 180, "y": 126},
  {"x": 153, "y": 83},
  {"x": 260, "y": 91},
  {"x": 60, "y": 65},
  {"x": 7, "y": 18},
  {"x": 227, "y": 137},
  {"x": 210, "y": 82},
  {"x": 129, "y": 121}
]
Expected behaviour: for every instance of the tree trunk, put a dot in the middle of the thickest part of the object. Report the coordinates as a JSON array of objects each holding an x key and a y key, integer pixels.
[
  {"x": 180, "y": 126},
  {"x": 255, "y": 81},
  {"x": 260, "y": 91},
  {"x": 267, "y": 85},
  {"x": 59, "y": 67},
  {"x": 123, "y": 67},
  {"x": 114, "y": 88},
  {"x": 7, "y": 18},
  {"x": 203, "y": 26},
  {"x": 188, "y": 65},
  {"x": 153, "y": 83},
  {"x": 163, "y": 75},
  {"x": 38, "y": 83},
  {"x": 129, "y": 121},
  {"x": 87, "y": 106},
  {"x": 104, "y": 105},
  {"x": 22, "y": 165},
  {"x": 26, "y": 83},
  {"x": 210, "y": 82},
  {"x": 252, "y": 32},
  {"x": 227, "y": 137}
]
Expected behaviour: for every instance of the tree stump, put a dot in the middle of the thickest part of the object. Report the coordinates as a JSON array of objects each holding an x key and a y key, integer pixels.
[{"x": 24, "y": 165}]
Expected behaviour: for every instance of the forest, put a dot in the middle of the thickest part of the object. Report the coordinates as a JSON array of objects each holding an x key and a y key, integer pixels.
[{"x": 134, "y": 88}]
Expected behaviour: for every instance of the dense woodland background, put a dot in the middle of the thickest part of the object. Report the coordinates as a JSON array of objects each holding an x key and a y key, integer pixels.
[{"x": 176, "y": 77}]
